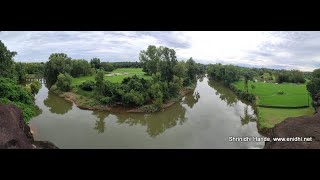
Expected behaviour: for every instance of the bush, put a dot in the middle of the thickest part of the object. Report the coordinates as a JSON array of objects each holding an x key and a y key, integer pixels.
[
  {"x": 87, "y": 85},
  {"x": 106, "y": 100},
  {"x": 35, "y": 87},
  {"x": 64, "y": 82},
  {"x": 11, "y": 93},
  {"x": 133, "y": 98}
]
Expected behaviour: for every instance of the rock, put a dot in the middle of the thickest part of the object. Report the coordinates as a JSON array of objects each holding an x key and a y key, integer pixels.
[
  {"x": 15, "y": 133},
  {"x": 302, "y": 127}
]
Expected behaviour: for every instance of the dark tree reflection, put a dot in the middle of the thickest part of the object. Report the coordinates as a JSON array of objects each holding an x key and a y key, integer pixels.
[
  {"x": 247, "y": 117},
  {"x": 224, "y": 93},
  {"x": 156, "y": 124},
  {"x": 57, "y": 104},
  {"x": 100, "y": 124},
  {"x": 191, "y": 100}
]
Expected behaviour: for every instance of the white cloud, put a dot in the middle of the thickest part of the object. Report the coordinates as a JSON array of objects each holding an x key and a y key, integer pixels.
[{"x": 299, "y": 50}]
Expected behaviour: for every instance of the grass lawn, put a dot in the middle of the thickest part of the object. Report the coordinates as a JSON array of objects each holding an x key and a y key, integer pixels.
[
  {"x": 295, "y": 94},
  {"x": 268, "y": 117},
  {"x": 114, "y": 78}
]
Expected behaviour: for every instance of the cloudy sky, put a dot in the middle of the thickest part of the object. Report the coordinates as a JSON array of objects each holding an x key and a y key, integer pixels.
[{"x": 281, "y": 50}]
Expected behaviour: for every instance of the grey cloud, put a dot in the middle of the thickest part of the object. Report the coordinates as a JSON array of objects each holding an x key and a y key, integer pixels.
[{"x": 118, "y": 46}]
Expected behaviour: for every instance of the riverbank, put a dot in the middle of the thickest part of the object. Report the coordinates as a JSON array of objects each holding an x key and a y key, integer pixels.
[
  {"x": 296, "y": 133},
  {"x": 268, "y": 117},
  {"x": 87, "y": 103},
  {"x": 15, "y": 133}
]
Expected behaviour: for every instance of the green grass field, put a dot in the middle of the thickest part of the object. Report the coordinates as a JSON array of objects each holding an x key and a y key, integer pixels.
[
  {"x": 112, "y": 77},
  {"x": 296, "y": 95},
  {"x": 268, "y": 117}
]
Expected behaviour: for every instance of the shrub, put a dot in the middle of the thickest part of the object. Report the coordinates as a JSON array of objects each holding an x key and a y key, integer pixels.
[
  {"x": 35, "y": 87},
  {"x": 106, "y": 100},
  {"x": 87, "y": 85},
  {"x": 11, "y": 93},
  {"x": 133, "y": 98}
]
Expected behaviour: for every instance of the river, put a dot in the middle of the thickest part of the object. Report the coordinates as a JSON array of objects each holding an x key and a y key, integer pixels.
[{"x": 205, "y": 118}]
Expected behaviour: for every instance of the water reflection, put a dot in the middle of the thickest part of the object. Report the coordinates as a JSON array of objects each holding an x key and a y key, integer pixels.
[
  {"x": 156, "y": 123},
  {"x": 191, "y": 100},
  {"x": 56, "y": 104},
  {"x": 231, "y": 99},
  {"x": 195, "y": 122},
  {"x": 224, "y": 93},
  {"x": 247, "y": 117},
  {"x": 100, "y": 124}
]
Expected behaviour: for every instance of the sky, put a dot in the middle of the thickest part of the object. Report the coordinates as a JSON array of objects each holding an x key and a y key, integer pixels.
[{"x": 280, "y": 50}]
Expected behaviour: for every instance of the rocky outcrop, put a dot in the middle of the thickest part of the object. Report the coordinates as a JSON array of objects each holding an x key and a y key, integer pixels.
[
  {"x": 15, "y": 133},
  {"x": 301, "y": 127}
]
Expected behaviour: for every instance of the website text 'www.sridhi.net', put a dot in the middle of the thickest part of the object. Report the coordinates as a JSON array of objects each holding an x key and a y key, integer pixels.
[{"x": 274, "y": 139}]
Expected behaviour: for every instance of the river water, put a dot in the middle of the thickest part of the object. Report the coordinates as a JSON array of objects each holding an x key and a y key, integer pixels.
[{"x": 206, "y": 118}]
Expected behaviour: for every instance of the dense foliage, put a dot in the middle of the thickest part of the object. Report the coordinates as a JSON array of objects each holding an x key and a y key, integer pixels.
[
  {"x": 58, "y": 63},
  {"x": 313, "y": 86},
  {"x": 34, "y": 87},
  {"x": 34, "y": 68},
  {"x": 128, "y": 64},
  {"x": 226, "y": 73},
  {"x": 64, "y": 82},
  {"x": 80, "y": 67},
  {"x": 6, "y": 62},
  {"x": 107, "y": 66},
  {"x": 12, "y": 93},
  {"x": 293, "y": 76}
]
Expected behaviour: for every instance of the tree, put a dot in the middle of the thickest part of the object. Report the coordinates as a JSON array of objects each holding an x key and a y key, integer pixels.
[
  {"x": 80, "y": 67},
  {"x": 6, "y": 61},
  {"x": 95, "y": 63},
  {"x": 99, "y": 81},
  {"x": 253, "y": 87},
  {"x": 248, "y": 75},
  {"x": 20, "y": 72},
  {"x": 150, "y": 59},
  {"x": 191, "y": 69},
  {"x": 159, "y": 59},
  {"x": 64, "y": 82},
  {"x": 35, "y": 87},
  {"x": 180, "y": 69},
  {"x": 107, "y": 66},
  {"x": 58, "y": 63},
  {"x": 156, "y": 94},
  {"x": 313, "y": 86}
]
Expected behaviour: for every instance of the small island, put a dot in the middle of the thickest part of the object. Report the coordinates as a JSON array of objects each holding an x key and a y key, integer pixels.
[{"x": 155, "y": 83}]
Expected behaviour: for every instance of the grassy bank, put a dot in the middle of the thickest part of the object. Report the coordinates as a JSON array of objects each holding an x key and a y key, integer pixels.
[
  {"x": 269, "y": 117},
  {"x": 295, "y": 95},
  {"x": 282, "y": 106}
]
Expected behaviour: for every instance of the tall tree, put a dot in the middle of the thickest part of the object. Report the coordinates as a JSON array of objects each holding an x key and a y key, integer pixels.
[
  {"x": 6, "y": 61},
  {"x": 58, "y": 63},
  {"x": 95, "y": 63},
  {"x": 191, "y": 66},
  {"x": 248, "y": 75},
  {"x": 80, "y": 67},
  {"x": 313, "y": 87},
  {"x": 20, "y": 72}
]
